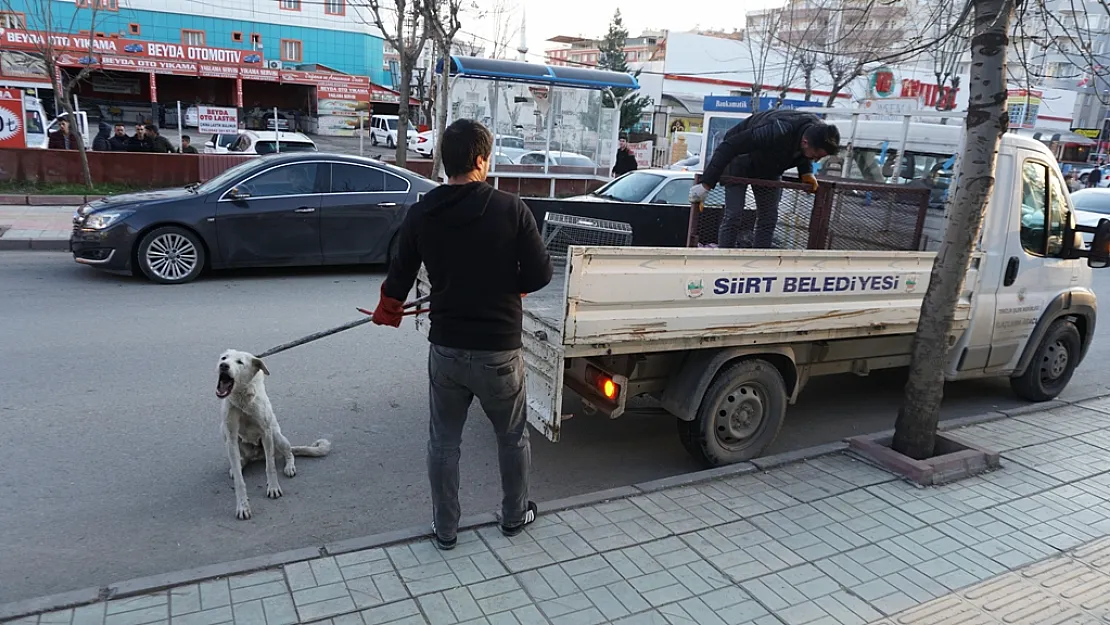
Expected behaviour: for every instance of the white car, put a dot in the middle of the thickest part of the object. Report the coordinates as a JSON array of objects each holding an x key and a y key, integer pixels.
[
  {"x": 651, "y": 186},
  {"x": 558, "y": 159},
  {"x": 512, "y": 148},
  {"x": 1091, "y": 205},
  {"x": 259, "y": 142},
  {"x": 423, "y": 143},
  {"x": 383, "y": 129}
]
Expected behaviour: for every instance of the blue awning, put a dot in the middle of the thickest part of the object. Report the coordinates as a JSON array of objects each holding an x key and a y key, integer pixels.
[{"x": 535, "y": 73}]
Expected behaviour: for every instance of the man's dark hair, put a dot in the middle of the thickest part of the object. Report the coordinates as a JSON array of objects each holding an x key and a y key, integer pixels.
[
  {"x": 152, "y": 128},
  {"x": 624, "y": 136},
  {"x": 185, "y": 138},
  {"x": 463, "y": 142},
  {"x": 823, "y": 137}
]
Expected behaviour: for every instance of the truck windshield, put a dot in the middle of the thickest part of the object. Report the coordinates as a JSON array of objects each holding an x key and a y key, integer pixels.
[{"x": 874, "y": 165}]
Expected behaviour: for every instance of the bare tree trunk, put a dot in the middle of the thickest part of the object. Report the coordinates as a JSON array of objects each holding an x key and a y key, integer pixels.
[
  {"x": 74, "y": 124},
  {"x": 441, "y": 106},
  {"x": 403, "y": 110},
  {"x": 915, "y": 429},
  {"x": 809, "y": 85}
]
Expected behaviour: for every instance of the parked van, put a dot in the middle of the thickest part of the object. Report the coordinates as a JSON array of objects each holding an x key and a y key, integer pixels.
[{"x": 383, "y": 129}]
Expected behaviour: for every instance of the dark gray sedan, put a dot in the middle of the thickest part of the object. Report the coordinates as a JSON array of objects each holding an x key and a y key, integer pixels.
[{"x": 281, "y": 210}]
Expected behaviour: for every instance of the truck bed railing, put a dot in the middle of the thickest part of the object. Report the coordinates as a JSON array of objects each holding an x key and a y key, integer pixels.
[{"x": 843, "y": 214}]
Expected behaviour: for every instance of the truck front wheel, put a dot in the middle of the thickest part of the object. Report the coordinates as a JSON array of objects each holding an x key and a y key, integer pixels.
[
  {"x": 740, "y": 414},
  {"x": 1053, "y": 364}
]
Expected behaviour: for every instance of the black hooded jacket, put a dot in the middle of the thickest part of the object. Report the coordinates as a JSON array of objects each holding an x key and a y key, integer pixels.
[
  {"x": 762, "y": 146},
  {"x": 482, "y": 250},
  {"x": 100, "y": 141}
]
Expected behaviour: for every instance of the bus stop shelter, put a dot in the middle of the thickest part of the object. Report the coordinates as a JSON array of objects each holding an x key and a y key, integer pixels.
[{"x": 548, "y": 121}]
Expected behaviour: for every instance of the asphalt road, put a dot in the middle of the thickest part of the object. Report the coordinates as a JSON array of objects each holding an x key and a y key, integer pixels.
[{"x": 112, "y": 465}]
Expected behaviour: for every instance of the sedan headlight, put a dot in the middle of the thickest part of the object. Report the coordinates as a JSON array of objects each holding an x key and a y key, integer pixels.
[{"x": 100, "y": 221}]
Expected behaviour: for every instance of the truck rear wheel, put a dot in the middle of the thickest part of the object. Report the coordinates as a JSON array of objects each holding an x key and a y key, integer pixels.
[
  {"x": 740, "y": 414},
  {"x": 1053, "y": 363}
]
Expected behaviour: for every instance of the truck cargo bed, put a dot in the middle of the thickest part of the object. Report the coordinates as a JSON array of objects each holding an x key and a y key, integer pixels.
[{"x": 610, "y": 300}]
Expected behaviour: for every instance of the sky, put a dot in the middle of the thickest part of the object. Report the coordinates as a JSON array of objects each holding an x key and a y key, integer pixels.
[{"x": 590, "y": 18}]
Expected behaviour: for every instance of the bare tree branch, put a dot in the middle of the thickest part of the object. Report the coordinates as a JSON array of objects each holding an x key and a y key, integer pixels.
[{"x": 407, "y": 33}]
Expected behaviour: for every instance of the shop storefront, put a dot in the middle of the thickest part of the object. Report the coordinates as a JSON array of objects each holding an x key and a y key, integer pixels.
[{"x": 133, "y": 81}]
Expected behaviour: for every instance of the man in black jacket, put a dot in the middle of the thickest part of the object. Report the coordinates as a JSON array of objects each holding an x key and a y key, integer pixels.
[
  {"x": 763, "y": 146},
  {"x": 483, "y": 253},
  {"x": 159, "y": 144},
  {"x": 119, "y": 140},
  {"x": 141, "y": 142},
  {"x": 626, "y": 160}
]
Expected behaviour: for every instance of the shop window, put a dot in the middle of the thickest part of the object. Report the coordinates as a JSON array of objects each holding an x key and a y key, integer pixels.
[
  {"x": 103, "y": 5},
  {"x": 9, "y": 19},
  {"x": 291, "y": 5},
  {"x": 291, "y": 50},
  {"x": 335, "y": 7},
  {"x": 134, "y": 29},
  {"x": 237, "y": 37},
  {"x": 192, "y": 37}
]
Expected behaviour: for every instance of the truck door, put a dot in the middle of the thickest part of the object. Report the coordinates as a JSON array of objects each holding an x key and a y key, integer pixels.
[{"x": 1033, "y": 270}]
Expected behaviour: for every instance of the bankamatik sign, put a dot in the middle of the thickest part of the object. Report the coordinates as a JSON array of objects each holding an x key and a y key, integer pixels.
[{"x": 217, "y": 120}]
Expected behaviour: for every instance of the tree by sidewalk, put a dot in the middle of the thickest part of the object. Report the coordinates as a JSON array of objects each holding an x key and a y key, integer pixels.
[
  {"x": 611, "y": 57},
  {"x": 53, "y": 44},
  {"x": 443, "y": 25},
  {"x": 403, "y": 27},
  {"x": 987, "y": 120}
]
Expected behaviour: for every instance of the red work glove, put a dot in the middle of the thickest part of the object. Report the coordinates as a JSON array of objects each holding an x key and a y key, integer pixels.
[
  {"x": 389, "y": 311},
  {"x": 523, "y": 294}
]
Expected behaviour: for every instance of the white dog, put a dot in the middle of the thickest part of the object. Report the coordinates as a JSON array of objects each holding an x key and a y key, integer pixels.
[{"x": 251, "y": 430}]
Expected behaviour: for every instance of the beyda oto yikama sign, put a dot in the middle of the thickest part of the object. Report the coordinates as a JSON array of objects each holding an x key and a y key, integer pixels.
[{"x": 28, "y": 40}]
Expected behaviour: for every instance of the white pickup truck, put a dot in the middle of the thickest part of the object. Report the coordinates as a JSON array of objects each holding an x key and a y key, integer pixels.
[{"x": 726, "y": 339}]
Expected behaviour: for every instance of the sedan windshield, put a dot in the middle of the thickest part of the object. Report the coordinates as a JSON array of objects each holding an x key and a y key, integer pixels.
[
  {"x": 633, "y": 187},
  {"x": 1091, "y": 201}
]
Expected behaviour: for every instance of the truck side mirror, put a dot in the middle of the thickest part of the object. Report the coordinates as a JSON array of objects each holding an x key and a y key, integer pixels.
[{"x": 1099, "y": 255}]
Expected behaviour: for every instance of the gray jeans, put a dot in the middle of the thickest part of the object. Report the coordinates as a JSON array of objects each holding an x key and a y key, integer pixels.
[
  {"x": 749, "y": 228},
  {"x": 455, "y": 378}
]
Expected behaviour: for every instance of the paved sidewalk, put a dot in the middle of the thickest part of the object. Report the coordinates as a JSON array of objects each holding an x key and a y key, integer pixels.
[
  {"x": 35, "y": 227},
  {"x": 830, "y": 540}
]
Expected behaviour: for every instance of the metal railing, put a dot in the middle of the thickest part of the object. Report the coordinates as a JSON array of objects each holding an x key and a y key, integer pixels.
[{"x": 841, "y": 215}]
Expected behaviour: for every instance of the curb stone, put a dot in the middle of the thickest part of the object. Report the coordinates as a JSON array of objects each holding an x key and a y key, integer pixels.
[
  {"x": 154, "y": 583},
  {"x": 46, "y": 200},
  {"x": 34, "y": 245}
]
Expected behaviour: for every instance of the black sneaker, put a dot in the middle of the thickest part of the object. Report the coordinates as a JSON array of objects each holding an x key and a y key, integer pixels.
[
  {"x": 443, "y": 545},
  {"x": 530, "y": 515}
]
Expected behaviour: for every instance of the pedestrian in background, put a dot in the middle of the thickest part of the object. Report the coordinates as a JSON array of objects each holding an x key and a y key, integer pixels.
[
  {"x": 626, "y": 160},
  {"x": 100, "y": 141},
  {"x": 187, "y": 145},
  {"x": 763, "y": 146},
  {"x": 159, "y": 144},
  {"x": 63, "y": 138},
  {"x": 1094, "y": 176},
  {"x": 119, "y": 140},
  {"x": 140, "y": 142},
  {"x": 483, "y": 253}
]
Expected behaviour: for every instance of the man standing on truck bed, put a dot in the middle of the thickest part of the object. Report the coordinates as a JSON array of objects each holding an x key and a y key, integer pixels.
[
  {"x": 763, "y": 146},
  {"x": 483, "y": 252}
]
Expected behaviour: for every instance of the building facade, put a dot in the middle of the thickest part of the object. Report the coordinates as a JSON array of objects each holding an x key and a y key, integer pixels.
[
  {"x": 584, "y": 52},
  {"x": 334, "y": 34}
]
